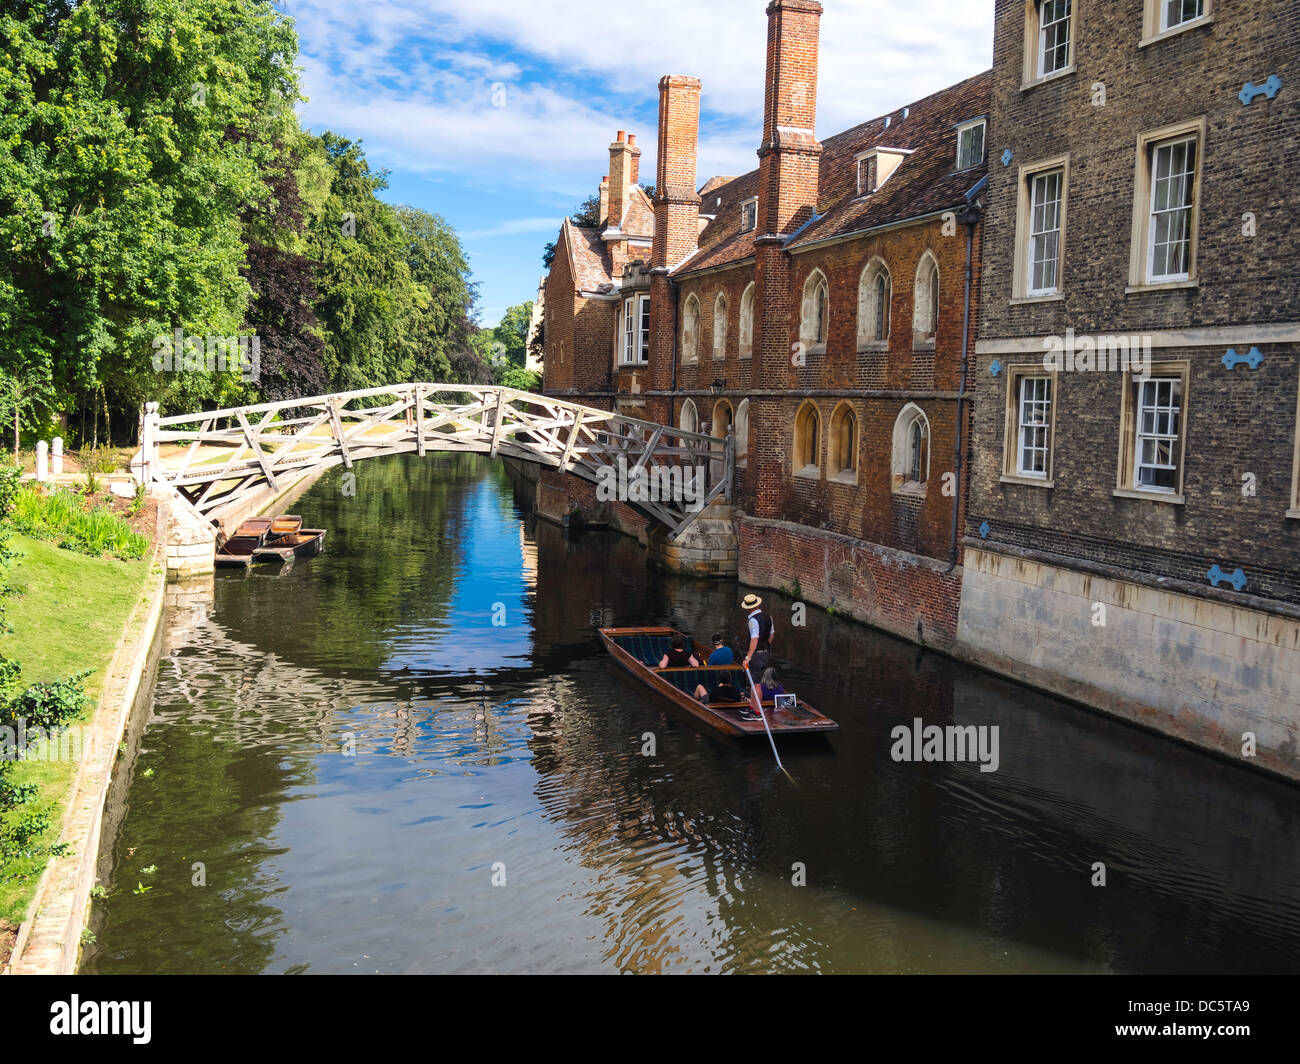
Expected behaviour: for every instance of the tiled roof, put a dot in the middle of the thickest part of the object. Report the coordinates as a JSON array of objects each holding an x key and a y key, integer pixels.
[
  {"x": 588, "y": 256},
  {"x": 639, "y": 215},
  {"x": 925, "y": 181}
]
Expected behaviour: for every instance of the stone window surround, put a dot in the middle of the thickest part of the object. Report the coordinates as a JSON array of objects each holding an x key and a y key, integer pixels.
[
  {"x": 867, "y": 306},
  {"x": 747, "y": 301},
  {"x": 1020, "y": 272},
  {"x": 1151, "y": 18},
  {"x": 1141, "y": 233},
  {"x": 720, "y": 350},
  {"x": 844, "y": 474},
  {"x": 1125, "y": 478},
  {"x": 691, "y": 314},
  {"x": 799, "y": 464},
  {"x": 1030, "y": 77},
  {"x": 923, "y": 340},
  {"x": 900, "y": 483},
  {"x": 814, "y": 345},
  {"x": 1011, "y": 438}
]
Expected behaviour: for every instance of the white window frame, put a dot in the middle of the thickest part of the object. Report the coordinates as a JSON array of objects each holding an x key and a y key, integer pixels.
[
  {"x": 1158, "y": 398},
  {"x": 1156, "y": 25},
  {"x": 969, "y": 128},
  {"x": 1066, "y": 20},
  {"x": 1013, "y": 450},
  {"x": 1132, "y": 433},
  {"x": 1035, "y": 71},
  {"x": 1035, "y": 235},
  {"x": 634, "y": 346},
  {"x": 1142, "y": 255},
  {"x": 1041, "y": 423},
  {"x": 1186, "y": 179}
]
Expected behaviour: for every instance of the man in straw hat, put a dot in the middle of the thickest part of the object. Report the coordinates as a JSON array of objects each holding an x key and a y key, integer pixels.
[{"x": 761, "y": 634}]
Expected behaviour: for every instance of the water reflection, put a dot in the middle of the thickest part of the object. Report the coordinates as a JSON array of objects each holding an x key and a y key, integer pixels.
[{"x": 357, "y": 750}]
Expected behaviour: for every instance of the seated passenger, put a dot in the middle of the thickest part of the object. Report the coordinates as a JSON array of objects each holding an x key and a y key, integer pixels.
[
  {"x": 771, "y": 685},
  {"x": 722, "y": 654},
  {"x": 679, "y": 657},
  {"x": 726, "y": 691}
]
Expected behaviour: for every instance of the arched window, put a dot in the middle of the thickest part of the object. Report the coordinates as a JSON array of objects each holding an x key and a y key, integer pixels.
[
  {"x": 844, "y": 442},
  {"x": 690, "y": 329},
  {"x": 720, "y": 326},
  {"x": 925, "y": 304},
  {"x": 875, "y": 293},
  {"x": 911, "y": 451},
  {"x": 689, "y": 421},
  {"x": 742, "y": 432},
  {"x": 814, "y": 315},
  {"x": 807, "y": 441},
  {"x": 747, "y": 323}
]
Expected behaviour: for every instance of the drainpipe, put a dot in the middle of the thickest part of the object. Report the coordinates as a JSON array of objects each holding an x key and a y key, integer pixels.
[
  {"x": 673, "y": 290},
  {"x": 969, "y": 218}
]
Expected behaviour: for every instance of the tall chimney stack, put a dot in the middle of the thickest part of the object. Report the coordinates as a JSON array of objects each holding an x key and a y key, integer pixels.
[
  {"x": 604, "y": 200},
  {"x": 624, "y": 165},
  {"x": 788, "y": 157},
  {"x": 677, "y": 205}
]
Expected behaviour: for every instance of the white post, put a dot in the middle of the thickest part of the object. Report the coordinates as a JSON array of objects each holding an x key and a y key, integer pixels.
[
  {"x": 56, "y": 455},
  {"x": 42, "y": 461}
]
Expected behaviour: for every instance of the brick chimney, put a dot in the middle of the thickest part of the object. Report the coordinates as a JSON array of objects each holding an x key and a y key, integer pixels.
[
  {"x": 677, "y": 206},
  {"x": 604, "y": 199},
  {"x": 624, "y": 164},
  {"x": 788, "y": 157},
  {"x": 677, "y": 225}
]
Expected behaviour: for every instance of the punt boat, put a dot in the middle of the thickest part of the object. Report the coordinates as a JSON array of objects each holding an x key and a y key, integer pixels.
[
  {"x": 306, "y": 543},
  {"x": 237, "y": 551},
  {"x": 639, "y": 651}
]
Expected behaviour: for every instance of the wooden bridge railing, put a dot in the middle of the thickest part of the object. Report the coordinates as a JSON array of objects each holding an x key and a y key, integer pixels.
[{"x": 217, "y": 458}]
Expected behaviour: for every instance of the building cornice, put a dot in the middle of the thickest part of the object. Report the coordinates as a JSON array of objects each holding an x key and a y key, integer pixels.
[{"x": 1205, "y": 336}]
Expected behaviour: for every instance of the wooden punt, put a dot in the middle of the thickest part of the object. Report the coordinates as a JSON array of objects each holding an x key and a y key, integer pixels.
[
  {"x": 639, "y": 650},
  {"x": 285, "y": 525},
  {"x": 305, "y": 544},
  {"x": 256, "y": 527},
  {"x": 237, "y": 551}
]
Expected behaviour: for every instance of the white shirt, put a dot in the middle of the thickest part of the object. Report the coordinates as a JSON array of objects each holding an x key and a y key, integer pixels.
[{"x": 753, "y": 623}]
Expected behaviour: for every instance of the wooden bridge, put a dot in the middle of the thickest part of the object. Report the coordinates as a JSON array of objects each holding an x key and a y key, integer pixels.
[{"x": 219, "y": 458}]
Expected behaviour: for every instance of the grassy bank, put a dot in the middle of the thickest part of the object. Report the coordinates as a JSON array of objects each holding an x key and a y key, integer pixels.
[{"x": 68, "y": 619}]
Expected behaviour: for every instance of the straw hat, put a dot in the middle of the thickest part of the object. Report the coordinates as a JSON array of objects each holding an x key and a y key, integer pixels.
[{"x": 751, "y": 602}]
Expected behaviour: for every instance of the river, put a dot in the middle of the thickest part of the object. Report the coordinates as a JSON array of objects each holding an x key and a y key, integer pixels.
[{"x": 412, "y": 755}]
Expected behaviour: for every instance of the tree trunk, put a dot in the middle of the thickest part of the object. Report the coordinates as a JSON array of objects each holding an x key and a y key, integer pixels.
[
  {"x": 108, "y": 431},
  {"x": 16, "y": 406},
  {"x": 94, "y": 438}
]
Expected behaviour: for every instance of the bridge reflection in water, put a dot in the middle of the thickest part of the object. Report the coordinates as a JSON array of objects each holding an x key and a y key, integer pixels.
[{"x": 515, "y": 750}]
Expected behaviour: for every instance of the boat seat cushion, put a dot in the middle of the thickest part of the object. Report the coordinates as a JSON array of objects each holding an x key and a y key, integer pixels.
[
  {"x": 647, "y": 649},
  {"x": 687, "y": 680}
]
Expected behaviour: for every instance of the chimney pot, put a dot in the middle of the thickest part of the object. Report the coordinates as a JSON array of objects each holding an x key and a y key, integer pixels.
[{"x": 622, "y": 136}]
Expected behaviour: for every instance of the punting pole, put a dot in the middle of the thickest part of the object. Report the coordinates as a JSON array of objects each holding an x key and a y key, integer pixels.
[{"x": 758, "y": 704}]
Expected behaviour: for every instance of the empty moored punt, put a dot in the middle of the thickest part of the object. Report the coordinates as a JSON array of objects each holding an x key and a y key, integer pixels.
[
  {"x": 305, "y": 544},
  {"x": 256, "y": 528},
  {"x": 639, "y": 650},
  {"x": 285, "y": 525},
  {"x": 238, "y": 551}
]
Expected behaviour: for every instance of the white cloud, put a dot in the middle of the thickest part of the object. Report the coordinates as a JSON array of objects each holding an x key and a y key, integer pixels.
[
  {"x": 514, "y": 227},
  {"x": 414, "y": 77}
]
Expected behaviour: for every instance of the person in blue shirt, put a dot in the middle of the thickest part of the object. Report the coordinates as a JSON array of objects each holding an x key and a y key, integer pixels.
[
  {"x": 721, "y": 655},
  {"x": 771, "y": 685}
]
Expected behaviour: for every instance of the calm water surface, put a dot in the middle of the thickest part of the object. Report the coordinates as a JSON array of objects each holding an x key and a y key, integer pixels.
[{"x": 353, "y": 752}]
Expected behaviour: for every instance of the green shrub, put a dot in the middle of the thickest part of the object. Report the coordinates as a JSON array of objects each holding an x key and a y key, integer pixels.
[{"x": 67, "y": 518}]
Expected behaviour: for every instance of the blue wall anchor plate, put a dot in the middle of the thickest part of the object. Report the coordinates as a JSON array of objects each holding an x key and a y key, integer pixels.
[
  {"x": 1254, "y": 358},
  {"x": 984, "y": 530},
  {"x": 1251, "y": 92},
  {"x": 1236, "y": 578},
  {"x": 995, "y": 367},
  {"x": 1007, "y": 156}
]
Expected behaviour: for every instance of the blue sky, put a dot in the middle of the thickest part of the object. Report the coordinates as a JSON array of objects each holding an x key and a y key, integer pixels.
[{"x": 497, "y": 114}]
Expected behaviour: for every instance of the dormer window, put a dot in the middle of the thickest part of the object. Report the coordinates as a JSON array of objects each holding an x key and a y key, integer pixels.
[
  {"x": 970, "y": 144},
  {"x": 749, "y": 215},
  {"x": 876, "y": 166},
  {"x": 867, "y": 173}
]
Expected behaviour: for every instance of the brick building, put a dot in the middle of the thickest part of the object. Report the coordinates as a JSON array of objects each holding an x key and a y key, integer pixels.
[
  {"x": 821, "y": 307},
  {"x": 1133, "y": 533}
]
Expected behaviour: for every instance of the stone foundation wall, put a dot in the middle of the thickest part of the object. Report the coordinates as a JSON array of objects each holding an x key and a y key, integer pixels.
[{"x": 1203, "y": 671}]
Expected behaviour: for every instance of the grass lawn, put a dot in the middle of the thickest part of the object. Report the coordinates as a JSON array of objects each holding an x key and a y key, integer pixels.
[{"x": 68, "y": 619}]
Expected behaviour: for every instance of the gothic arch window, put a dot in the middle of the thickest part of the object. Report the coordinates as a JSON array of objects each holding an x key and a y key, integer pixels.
[
  {"x": 815, "y": 310},
  {"x": 875, "y": 295},
  {"x": 925, "y": 304},
  {"x": 806, "y": 459},
  {"x": 690, "y": 329},
  {"x": 723, "y": 419},
  {"x": 843, "y": 449},
  {"x": 689, "y": 420},
  {"x": 720, "y": 326},
  {"x": 911, "y": 451},
  {"x": 747, "y": 322}
]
